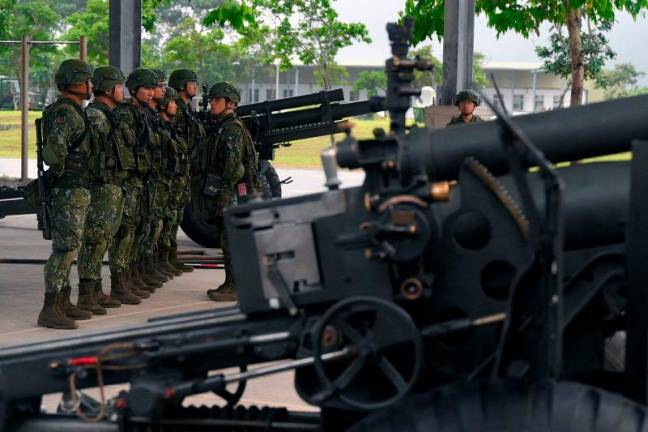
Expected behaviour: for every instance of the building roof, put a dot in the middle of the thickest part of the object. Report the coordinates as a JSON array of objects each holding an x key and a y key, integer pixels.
[{"x": 512, "y": 65}]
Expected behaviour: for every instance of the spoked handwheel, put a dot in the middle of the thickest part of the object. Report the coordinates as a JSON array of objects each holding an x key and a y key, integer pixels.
[{"x": 385, "y": 353}]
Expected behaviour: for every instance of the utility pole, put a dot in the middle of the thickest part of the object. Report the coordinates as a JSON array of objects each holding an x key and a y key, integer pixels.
[{"x": 24, "y": 108}]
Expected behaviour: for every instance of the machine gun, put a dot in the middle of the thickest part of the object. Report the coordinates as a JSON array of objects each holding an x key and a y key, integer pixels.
[{"x": 454, "y": 290}]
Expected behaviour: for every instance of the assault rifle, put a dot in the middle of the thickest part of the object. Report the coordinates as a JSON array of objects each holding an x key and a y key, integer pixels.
[
  {"x": 43, "y": 211},
  {"x": 454, "y": 288}
]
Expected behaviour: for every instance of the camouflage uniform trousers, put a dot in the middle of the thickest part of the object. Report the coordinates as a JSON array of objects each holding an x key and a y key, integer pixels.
[
  {"x": 178, "y": 196},
  {"x": 149, "y": 245},
  {"x": 224, "y": 199},
  {"x": 102, "y": 223},
  {"x": 147, "y": 216},
  {"x": 68, "y": 210},
  {"x": 122, "y": 245}
]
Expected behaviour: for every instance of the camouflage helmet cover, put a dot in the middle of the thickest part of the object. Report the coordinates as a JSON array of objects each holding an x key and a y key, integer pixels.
[
  {"x": 467, "y": 95},
  {"x": 106, "y": 77},
  {"x": 141, "y": 77},
  {"x": 225, "y": 89},
  {"x": 169, "y": 95},
  {"x": 73, "y": 71},
  {"x": 160, "y": 74},
  {"x": 180, "y": 77}
]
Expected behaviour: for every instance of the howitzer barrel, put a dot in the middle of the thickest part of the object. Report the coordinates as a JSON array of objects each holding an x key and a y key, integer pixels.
[
  {"x": 562, "y": 135},
  {"x": 292, "y": 102},
  {"x": 338, "y": 112}
]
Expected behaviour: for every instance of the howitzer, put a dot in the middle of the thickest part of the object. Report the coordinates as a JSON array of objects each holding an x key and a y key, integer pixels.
[{"x": 460, "y": 293}]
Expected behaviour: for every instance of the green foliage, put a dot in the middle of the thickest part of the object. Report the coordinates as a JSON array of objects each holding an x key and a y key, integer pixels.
[
  {"x": 557, "y": 57},
  {"x": 93, "y": 23},
  {"x": 337, "y": 75},
  {"x": 620, "y": 81},
  {"x": 427, "y": 78},
  {"x": 308, "y": 30},
  {"x": 372, "y": 81},
  {"x": 231, "y": 13}
]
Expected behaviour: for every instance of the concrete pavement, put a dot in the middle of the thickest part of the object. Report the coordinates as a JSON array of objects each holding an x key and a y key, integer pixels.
[{"x": 21, "y": 291}]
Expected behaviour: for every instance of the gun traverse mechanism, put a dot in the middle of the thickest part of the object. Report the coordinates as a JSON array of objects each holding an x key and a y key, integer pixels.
[{"x": 455, "y": 287}]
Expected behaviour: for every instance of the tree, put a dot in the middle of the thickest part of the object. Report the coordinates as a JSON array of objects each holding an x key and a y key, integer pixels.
[
  {"x": 526, "y": 17},
  {"x": 620, "y": 81},
  {"x": 308, "y": 30},
  {"x": 557, "y": 58},
  {"x": 93, "y": 23},
  {"x": 372, "y": 81}
]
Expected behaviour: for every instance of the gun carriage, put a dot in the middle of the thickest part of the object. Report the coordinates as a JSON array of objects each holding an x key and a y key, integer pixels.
[{"x": 456, "y": 289}]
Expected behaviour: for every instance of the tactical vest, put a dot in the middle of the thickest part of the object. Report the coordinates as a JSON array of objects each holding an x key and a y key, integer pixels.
[
  {"x": 201, "y": 158},
  {"x": 194, "y": 132},
  {"x": 142, "y": 135},
  {"x": 116, "y": 159},
  {"x": 175, "y": 151},
  {"x": 78, "y": 167}
]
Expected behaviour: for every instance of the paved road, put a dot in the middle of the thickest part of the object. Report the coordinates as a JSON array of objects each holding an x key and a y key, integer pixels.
[{"x": 21, "y": 291}]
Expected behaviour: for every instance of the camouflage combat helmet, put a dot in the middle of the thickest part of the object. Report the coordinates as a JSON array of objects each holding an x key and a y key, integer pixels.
[
  {"x": 225, "y": 89},
  {"x": 160, "y": 74},
  {"x": 169, "y": 95},
  {"x": 467, "y": 95},
  {"x": 72, "y": 71},
  {"x": 106, "y": 77},
  {"x": 141, "y": 77},
  {"x": 180, "y": 77}
]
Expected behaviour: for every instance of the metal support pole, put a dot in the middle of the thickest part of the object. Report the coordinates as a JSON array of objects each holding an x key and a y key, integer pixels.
[
  {"x": 296, "y": 81},
  {"x": 24, "y": 107},
  {"x": 83, "y": 48},
  {"x": 125, "y": 33},
  {"x": 458, "y": 39},
  {"x": 535, "y": 88},
  {"x": 277, "y": 81}
]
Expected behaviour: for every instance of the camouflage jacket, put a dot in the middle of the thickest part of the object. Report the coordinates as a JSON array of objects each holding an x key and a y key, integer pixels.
[
  {"x": 155, "y": 142},
  {"x": 175, "y": 151},
  {"x": 188, "y": 125},
  {"x": 230, "y": 154},
  {"x": 116, "y": 157},
  {"x": 457, "y": 120},
  {"x": 132, "y": 117},
  {"x": 68, "y": 144}
]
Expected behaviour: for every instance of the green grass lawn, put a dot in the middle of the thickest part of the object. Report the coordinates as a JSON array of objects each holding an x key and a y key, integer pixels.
[{"x": 10, "y": 139}]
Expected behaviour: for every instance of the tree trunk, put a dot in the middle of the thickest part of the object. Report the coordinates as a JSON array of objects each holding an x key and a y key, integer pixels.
[{"x": 574, "y": 18}]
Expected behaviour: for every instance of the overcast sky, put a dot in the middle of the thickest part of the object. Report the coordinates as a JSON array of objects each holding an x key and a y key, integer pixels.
[{"x": 628, "y": 38}]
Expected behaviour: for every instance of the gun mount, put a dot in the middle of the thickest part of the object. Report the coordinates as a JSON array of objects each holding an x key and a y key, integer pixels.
[{"x": 454, "y": 288}]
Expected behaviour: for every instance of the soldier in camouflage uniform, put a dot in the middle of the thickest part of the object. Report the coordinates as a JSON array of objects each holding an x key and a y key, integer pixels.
[
  {"x": 228, "y": 164},
  {"x": 175, "y": 153},
  {"x": 466, "y": 101},
  {"x": 116, "y": 164},
  {"x": 186, "y": 121},
  {"x": 68, "y": 140},
  {"x": 141, "y": 84}
]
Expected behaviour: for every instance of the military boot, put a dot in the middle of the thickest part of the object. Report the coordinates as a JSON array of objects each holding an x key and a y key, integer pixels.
[
  {"x": 131, "y": 284},
  {"x": 87, "y": 299},
  {"x": 51, "y": 316},
  {"x": 120, "y": 292},
  {"x": 153, "y": 271},
  {"x": 226, "y": 292},
  {"x": 166, "y": 264},
  {"x": 75, "y": 312},
  {"x": 173, "y": 259},
  {"x": 156, "y": 283},
  {"x": 103, "y": 299},
  {"x": 136, "y": 280},
  {"x": 158, "y": 264}
]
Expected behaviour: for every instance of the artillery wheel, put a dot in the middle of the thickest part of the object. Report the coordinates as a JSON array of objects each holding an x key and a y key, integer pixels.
[
  {"x": 386, "y": 353},
  {"x": 510, "y": 406},
  {"x": 199, "y": 230}
]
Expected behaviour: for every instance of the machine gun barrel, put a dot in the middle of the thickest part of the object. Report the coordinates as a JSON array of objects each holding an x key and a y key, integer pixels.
[
  {"x": 562, "y": 135},
  {"x": 334, "y": 95}
]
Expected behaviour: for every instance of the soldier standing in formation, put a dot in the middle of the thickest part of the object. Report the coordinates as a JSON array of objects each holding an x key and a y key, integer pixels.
[
  {"x": 228, "y": 164},
  {"x": 176, "y": 154},
  {"x": 186, "y": 122},
  {"x": 107, "y": 197},
  {"x": 69, "y": 141},
  {"x": 466, "y": 101}
]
